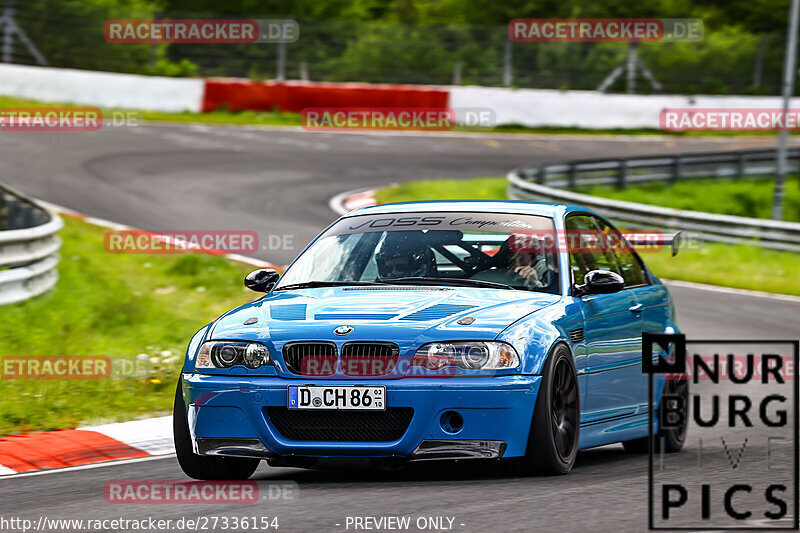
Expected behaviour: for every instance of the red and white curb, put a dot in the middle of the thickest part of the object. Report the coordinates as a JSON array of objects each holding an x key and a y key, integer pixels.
[
  {"x": 150, "y": 435},
  {"x": 67, "y": 448},
  {"x": 347, "y": 201}
]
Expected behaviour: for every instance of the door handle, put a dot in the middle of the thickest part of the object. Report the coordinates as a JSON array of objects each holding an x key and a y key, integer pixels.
[{"x": 635, "y": 308}]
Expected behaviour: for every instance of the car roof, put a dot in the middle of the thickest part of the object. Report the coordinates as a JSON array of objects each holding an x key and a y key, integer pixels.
[{"x": 485, "y": 206}]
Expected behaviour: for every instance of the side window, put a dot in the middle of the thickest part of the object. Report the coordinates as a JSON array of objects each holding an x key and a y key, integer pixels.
[
  {"x": 585, "y": 255},
  {"x": 629, "y": 266}
]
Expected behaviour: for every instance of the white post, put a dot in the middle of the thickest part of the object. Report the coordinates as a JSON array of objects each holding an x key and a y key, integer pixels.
[
  {"x": 788, "y": 89},
  {"x": 8, "y": 31},
  {"x": 507, "y": 74},
  {"x": 280, "y": 73}
]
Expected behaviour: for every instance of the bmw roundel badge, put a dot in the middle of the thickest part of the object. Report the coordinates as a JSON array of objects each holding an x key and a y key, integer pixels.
[{"x": 343, "y": 330}]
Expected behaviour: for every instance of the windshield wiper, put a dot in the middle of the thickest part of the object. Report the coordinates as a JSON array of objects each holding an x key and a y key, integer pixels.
[
  {"x": 315, "y": 284},
  {"x": 459, "y": 282}
]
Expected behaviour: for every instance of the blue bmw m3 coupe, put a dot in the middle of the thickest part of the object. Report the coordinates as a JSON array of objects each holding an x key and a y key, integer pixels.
[{"x": 427, "y": 331}]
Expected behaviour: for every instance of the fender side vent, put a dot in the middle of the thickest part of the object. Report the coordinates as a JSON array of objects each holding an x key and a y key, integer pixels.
[{"x": 577, "y": 335}]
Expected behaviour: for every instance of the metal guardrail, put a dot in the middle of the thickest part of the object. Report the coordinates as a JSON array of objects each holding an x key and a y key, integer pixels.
[
  {"x": 552, "y": 183},
  {"x": 29, "y": 245}
]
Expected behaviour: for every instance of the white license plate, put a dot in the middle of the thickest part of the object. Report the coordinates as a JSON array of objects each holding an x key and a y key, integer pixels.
[{"x": 319, "y": 397}]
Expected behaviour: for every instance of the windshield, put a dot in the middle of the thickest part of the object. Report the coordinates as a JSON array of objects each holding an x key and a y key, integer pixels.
[{"x": 441, "y": 248}]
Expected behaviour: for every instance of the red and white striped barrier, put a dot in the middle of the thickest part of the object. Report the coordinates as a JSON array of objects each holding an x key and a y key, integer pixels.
[
  {"x": 295, "y": 96},
  {"x": 526, "y": 107}
]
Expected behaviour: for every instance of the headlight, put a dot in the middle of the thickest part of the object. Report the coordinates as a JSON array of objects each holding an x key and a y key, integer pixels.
[
  {"x": 225, "y": 354},
  {"x": 468, "y": 355}
]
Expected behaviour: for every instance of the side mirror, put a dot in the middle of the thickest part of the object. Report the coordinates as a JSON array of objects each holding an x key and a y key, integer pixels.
[
  {"x": 600, "y": 282},
  {"x": 261, "y": 280}
]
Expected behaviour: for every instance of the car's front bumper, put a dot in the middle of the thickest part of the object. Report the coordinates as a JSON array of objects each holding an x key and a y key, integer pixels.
[{"x": 228, "y": 416}]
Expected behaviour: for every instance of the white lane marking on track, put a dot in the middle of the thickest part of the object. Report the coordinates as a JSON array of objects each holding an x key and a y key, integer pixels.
[
  {"x": 105, "y": 223},
  {"x": 88, "y": 467},
  {"x": 587, "y": 137},
  {"x": 251, "y": 261},
  {"x": 5, "y": 471},
  {"x": 198, "y": 142},
  {"x": 730, "y": 290},
  {"x": 232, "y": 133},
  {"x": 121, "y": 227},
  {"x": 60, "y": 209}
]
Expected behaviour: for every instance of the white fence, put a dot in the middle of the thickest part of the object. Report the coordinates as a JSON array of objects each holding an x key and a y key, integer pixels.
[
  {"x": 102, "y": 89},
  {"x": 526, "y": 107},
  {"x": 591, "y": 109}
]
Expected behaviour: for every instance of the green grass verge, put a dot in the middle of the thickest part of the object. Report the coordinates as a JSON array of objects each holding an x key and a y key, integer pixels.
[
  {"x": 472, "y": 189},
  {"x": 252, "y": 118},
  {"x": 111, "y": 305},
  {"x": 739, "y": 266},
  {"x": 745, "y": 198}
]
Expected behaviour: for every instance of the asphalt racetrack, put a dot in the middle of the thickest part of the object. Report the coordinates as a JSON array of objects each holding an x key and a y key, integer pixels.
[{"x": 279, "y": 182}]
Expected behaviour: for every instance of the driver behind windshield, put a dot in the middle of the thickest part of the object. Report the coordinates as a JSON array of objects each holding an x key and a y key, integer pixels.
[
  {"x": 520, "y": 267},
  {"x": 527, "y": 266},
  {"x": 402, "y": 255}
]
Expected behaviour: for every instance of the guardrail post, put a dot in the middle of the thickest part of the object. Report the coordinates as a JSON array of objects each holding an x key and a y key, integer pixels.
[
  {"x": 540, "y": 175},
  {"x": 676, "y": 169},
  {"x": 740, "y": 166},
  {"x": 573, "y": 174},
  {"x": 792, "y": 155},
  {"x": 622, "y": 176}
]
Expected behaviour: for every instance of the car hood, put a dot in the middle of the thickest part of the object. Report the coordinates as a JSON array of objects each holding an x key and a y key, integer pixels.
[{"x": 405, "y": 315}]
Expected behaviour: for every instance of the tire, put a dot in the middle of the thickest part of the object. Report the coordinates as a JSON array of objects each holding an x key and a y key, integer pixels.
[
  {"x": 553, "y": 440},
  {"x": 669, "y": 440},
  {"x": 201, "y": 466}
]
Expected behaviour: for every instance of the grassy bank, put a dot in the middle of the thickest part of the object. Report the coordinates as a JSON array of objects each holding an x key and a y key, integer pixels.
[
  {"x": 745, "y": 198},
  {"x": 117, "y": 306},
  {"x": 739, "y": 266}
]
